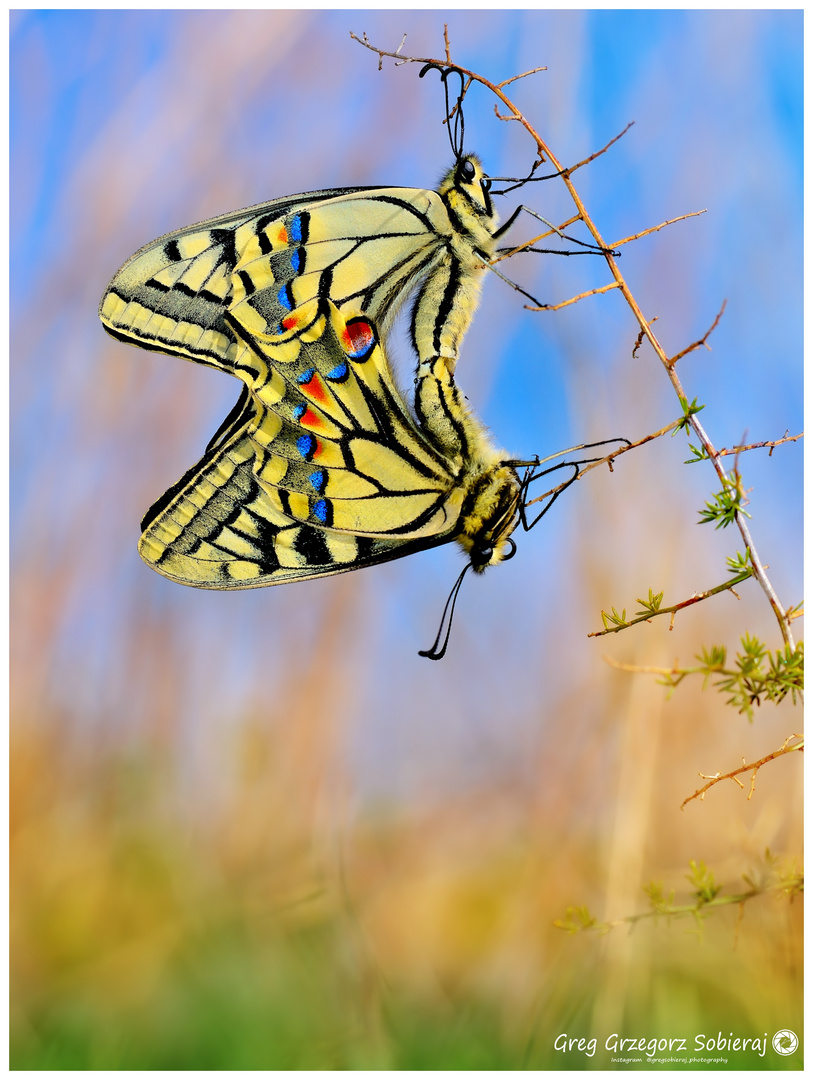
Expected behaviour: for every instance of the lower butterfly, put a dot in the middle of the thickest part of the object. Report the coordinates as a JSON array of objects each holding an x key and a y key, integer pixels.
[{"x": 321, "y": 469}]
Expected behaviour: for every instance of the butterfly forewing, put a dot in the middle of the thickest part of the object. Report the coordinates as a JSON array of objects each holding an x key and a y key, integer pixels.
[{"x": 366, "y": 249}]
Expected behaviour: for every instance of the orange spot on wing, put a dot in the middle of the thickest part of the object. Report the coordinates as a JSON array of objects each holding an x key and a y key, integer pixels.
[
  {"x": 315, "y": 388},
  {"x": 310, "y": 419}
]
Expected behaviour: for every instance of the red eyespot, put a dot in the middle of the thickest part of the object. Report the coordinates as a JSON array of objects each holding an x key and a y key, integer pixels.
[{"x": 360, "y": 337}]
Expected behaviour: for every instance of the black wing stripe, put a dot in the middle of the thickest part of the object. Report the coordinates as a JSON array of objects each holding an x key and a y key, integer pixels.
[
  {"x": 156, "y": 344},
  {"x": 244, "y": 410}
]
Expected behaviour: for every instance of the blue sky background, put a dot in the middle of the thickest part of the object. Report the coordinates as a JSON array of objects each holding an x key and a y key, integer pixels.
[{"x": 127, "y": 124}]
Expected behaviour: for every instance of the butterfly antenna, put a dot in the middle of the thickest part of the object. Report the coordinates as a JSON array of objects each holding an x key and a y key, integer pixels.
[
  {"x": 455, "y": 121},
  {"x": 518, "y": 182},
  {"x": 433, "y": 654}
]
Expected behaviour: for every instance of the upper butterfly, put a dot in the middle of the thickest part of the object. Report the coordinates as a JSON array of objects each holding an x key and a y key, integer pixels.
[{"x": 365, "y": 249}]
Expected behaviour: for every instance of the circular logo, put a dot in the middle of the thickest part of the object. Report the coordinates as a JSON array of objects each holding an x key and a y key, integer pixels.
[{"x": 785, "y": 1042}]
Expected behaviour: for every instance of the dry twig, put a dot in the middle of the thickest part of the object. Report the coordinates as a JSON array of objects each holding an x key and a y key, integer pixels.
[
  {"x": 787, "y": 747},
  {"x": 771, "y": 444}
]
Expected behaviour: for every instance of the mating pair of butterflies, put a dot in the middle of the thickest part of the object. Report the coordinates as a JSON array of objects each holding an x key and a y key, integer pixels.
[{"x": 321, "y": 467}]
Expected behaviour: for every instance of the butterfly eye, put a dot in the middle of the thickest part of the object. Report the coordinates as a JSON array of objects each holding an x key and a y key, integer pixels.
[
  {"x": 481, "y": 557},
  {"x": 467, "y": 171}
]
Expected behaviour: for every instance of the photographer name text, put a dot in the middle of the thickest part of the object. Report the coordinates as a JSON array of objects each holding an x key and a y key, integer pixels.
[{"x": 702, "y": 1043}]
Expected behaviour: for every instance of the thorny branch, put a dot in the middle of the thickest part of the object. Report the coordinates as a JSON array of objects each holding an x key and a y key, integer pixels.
[
  {"x": 761, "y": 445},
  {"x": 604, "y": 150},
  {"x": 648, "y": 616},
  {"x": 608, "y": 459},
  {"x": 524, "y": 75},
  {"x": 575, "y": 299},
  {"x": 657, "y": 228},
  {"x": 787, "y": 747},
  {"x": 707, "y": 895},
  {"x": 703, "y": 340},
  {"x": 669, "y": 364}
]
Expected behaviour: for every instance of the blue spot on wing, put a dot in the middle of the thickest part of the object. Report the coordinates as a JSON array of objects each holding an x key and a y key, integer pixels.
[
  {"x": 285, "y": 297},
  {"x": 306, "y": 445},
  {"x": 339, "y": 373},
  {"x": 318, "y": 480},
  {"x": 297, "y": 260},
  {"x": 321, "y": 510},
  {"x": 306, "y": 376},
  {"x": 295, "y": 230}
]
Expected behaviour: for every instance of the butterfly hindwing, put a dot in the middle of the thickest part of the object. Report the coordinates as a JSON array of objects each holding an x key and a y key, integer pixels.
[
  {"x": 320, "y": 470},
  {"x": 220, "y": 530},
  {"x": 379, "y": 474}
]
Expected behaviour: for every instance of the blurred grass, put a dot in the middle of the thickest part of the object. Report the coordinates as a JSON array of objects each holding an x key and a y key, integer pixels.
[{"x": 142, "y": 939}]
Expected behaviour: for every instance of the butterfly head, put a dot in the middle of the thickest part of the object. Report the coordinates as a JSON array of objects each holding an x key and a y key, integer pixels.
[
  {"x": 465, "y": 190},
  {"x": 491, "y": 512},
  {"x": 490, "y": 516}
]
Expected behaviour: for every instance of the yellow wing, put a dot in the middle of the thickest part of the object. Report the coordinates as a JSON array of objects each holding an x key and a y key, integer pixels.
[
  {"x": 364, "y": 249},
  {"x": 319, "y": 470}
]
